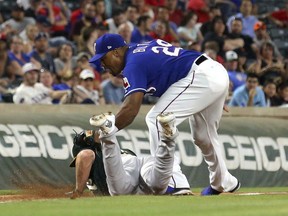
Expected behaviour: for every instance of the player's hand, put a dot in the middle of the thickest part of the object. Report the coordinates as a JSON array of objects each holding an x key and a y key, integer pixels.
[{"x": 225, "y": 108}]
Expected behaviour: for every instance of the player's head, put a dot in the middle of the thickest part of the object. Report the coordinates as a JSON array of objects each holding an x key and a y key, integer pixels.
[{"x": 110, "y": 50}]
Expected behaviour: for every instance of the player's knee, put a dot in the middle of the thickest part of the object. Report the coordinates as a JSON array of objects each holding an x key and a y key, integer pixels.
[
  {"x": 150, "y": 118},
  {"x": 86, "y": 154}
]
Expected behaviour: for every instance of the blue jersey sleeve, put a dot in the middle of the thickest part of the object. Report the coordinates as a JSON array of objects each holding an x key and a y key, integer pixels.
[{"x": 134, "y": 83}]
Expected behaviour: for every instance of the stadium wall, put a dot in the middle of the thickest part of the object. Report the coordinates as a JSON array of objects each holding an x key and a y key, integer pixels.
[{"x": 36, "y": 142}]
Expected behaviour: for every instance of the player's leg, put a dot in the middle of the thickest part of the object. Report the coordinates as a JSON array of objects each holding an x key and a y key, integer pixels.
[
  {"x": 118, "y": 180},
  {"x": 205, "y": 125},
  {"x": 158, "y": 175}
]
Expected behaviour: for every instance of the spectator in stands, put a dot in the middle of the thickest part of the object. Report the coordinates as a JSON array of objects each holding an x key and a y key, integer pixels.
[
  {"x": 266, "y": 59},
  {"x": 18, "y": 22},
  {"x": 87, "y": 20},
  {"x": 64, "y": 8},
  {"x": 280, "y": 17},
  {"x": 56, "y": 17},
  {"x": 88, "y": 37},
  {"x": 102, "y": 28},
  {"x": 261, "y": 36},
  {"x": 65, "y": 63},
  {"x": 40, "y": 53},
  {"x": 248, "y": 19},
  {"x": 213, "y": 46},
  {"x": 283, "y": 94},
  {"x": 249, "y": 94},
  {"x": 236, "y": 78},
  {"x": 30, "y": 7},
  {"x": 227, "y": 8},
  {"x": 113, "y": 90},
  {"x": 28, "y": 36},
  {"x": 249, "y": 47},
  {"x": 4, "y": 59},
  {"x": 83, "y": 63},
  {"x": 125, "y": 31},
  {"x": 270, "y": 91},
  {"x": 143, "y": 8},
  {"x": 207, "y": 26},
  {"x": 219, "y": 35},
  {"x": 211, "y": 53},
  {"x": 46, "y": 78},
  {"x": 33, "y": 92},
  {"x": 43, "y": 24},
  {"x": 141, "y": 33},
  {"x": 274, "y": 73},
  {"x": 163, "y": 16},
  {"x": 78, "y": 13},
  {"x": 155, "y": 3},
  {"x": 201, "y": 8},
  {"x": 100, "y": 11},
  {"x": 85, "y": 92},
  {"x": 17, "y": 58},
  {"x": 188, "y": 32},
  {"x": 4, "y": 80},
  {"x": 162, "y": 32},
  {"x": 132, "y": 14},
  {"x": 175, "y": 14},
  {"x": 116, "y": 5},
  {"x": 118, "y": 17}
]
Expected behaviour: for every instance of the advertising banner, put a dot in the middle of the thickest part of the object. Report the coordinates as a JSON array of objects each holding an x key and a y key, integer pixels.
[{"x": 36, "y": 142}]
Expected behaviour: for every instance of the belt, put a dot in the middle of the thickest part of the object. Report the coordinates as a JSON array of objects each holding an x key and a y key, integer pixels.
[{"x": 201, "y": 59}]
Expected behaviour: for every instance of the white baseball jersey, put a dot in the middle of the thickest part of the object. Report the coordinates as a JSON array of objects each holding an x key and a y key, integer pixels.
[{"x": 37, "y": 94}]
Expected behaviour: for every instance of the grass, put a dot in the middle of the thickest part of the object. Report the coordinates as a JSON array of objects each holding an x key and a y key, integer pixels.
[{"x": 223, "y": 205}]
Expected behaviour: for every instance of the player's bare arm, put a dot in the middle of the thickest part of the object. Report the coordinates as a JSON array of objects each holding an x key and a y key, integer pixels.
[{"x": 129, "y": 110}]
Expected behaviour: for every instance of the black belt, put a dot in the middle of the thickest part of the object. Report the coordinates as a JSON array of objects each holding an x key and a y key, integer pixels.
[{"x": 201, "y": 59}]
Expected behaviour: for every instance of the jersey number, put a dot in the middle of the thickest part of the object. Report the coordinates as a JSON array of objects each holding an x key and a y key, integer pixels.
[{"x": 164, "y": 47}]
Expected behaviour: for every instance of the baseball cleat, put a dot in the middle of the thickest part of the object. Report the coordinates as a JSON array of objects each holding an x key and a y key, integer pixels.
[
  {"x": 182, "y": 192},
  {"x": 167, "y": 122},
  {"x": 210, "y": 191},
  {"x": 105, "y": 122}
]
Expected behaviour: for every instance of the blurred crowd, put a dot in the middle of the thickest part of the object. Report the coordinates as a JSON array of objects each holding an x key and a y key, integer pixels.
[{"x": 45, "y": 46}]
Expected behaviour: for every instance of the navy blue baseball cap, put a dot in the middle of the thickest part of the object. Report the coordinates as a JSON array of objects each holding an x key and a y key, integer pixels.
[{"x": 105, "y": 44}]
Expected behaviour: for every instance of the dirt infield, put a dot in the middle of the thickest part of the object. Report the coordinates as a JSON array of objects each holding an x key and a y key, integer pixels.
[
  {"x": 47, "y": 192},
  {"x": 39, "y": 192}
]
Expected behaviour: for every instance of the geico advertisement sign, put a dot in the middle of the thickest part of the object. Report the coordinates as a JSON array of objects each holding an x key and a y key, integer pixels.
[{"x": 240, "y": 152}]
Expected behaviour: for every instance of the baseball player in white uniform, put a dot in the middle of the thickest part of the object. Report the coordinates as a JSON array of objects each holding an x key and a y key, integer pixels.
[
  {"x": 127, "y": 173},
  {"x": 188, "y": 83}
]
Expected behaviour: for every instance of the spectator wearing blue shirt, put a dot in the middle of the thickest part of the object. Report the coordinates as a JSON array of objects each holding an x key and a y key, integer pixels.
[
  {"x": 236, "y": 77},
  {"x": 141, "y": 33},
  {"x": 40, "y": 53},
  {"x": 113, "y": 90},
  {"x": 249, "y": 94},
  {"x": 17, "y": 58},
  {"x": 248, "y": 19}
]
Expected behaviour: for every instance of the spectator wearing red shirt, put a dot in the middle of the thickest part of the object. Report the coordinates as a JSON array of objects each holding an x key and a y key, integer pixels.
[
  {"x": 280, "y": 17},
  {"x": 201, "y": 8},
  {"x": 175, "y": 14},
  {"x": 78, "y": 13},
  {"x": 55, "y": 16},
  {"x": 161, "y": 31}
]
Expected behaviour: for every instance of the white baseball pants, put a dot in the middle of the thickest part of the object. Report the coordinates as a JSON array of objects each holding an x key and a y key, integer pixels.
[{"x": 123, "y": 171}]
